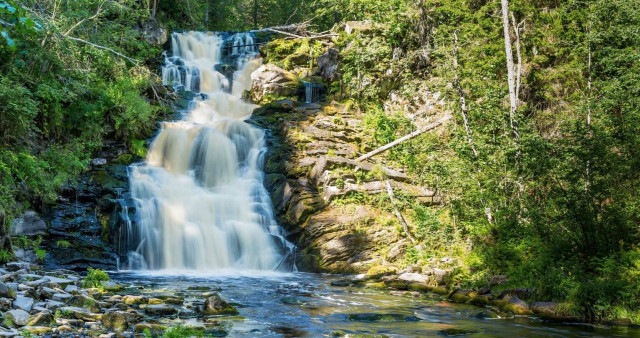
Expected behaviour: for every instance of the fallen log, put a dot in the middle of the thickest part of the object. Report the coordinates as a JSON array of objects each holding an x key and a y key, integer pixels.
[
  {"x": 404, "y": 138},
  {"x": 405, "y": 227}
]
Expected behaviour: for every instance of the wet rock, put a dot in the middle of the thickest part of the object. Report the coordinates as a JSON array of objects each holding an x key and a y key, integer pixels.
[
  {"x": 215, "y": 305},
  {"x": 148, "y": 326},
  {"x": 62, "y": 282},
  {"x": 69, "y": 322},
  {"x": 23, "y": 303},
  {"x": 115, "y": 320},
  {"x": 77, "y": 313},
  {"x": 18, "y": 317},
  {"x": 341, "y": 282},
  {"x": 456, "y": 332},
  {"x": 292, "y": 301},
  {"x": 85, "y": 302},
  {"x": 618, "y": 322},
  {"x": 515, "y": 305},
  {"x": 461, "y": 296},
  {"x": 381, "y": 317},
  {"x": 160, "y": 310},
  {"x": 43, "y": 318},
  {"x": 153, "y": 301},
  {"x": 405, "y": 293},
  {"x": 132, "y": 299},
  {"x": 28, "y": 224},
  {"x": 185, "y": 313},
  {"x": 413, "y": 277},
  {"x": 71, "y": 289}
]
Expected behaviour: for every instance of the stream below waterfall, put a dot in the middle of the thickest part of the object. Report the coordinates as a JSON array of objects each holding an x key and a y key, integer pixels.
[{"x": 307, "y": 305}]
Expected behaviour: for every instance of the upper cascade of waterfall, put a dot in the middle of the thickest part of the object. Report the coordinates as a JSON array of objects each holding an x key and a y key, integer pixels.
[{"x": 199, "y": 197}]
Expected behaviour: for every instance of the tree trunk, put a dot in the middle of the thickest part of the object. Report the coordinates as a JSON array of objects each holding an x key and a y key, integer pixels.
[
  {"x": 154, "y": 9},
  {"x": 255, "y": 14},
  {"x": 510, "y": 70}
]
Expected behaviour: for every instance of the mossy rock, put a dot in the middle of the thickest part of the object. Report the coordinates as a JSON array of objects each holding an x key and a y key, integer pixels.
[
  {"x": 215, "y": 305},
  {"x": 420, "y": 287}
]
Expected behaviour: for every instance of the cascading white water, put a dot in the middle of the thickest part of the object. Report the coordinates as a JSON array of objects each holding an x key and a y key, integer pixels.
[{"x": 199, "y": 198}]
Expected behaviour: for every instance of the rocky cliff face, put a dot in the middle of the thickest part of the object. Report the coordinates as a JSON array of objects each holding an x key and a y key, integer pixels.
[{"x": 336, "y": 208}]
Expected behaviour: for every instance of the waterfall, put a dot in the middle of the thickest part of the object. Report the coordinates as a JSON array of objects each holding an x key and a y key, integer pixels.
[
  {"x": 199, "y": 197},
  {"x": 312, "y": 92}
]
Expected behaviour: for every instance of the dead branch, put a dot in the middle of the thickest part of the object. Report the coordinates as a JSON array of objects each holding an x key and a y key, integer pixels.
[
  {"x": 98, "y": 13},
  {"x": 405, "y": 227},
  {"x": 405, "y": 138},
  {"x": 134, "y": 61}
]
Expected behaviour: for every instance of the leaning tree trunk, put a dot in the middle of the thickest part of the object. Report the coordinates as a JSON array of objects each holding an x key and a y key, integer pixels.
[{"x": 510, "y": 70}]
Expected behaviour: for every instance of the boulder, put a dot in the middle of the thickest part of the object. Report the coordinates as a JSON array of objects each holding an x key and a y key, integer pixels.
[
  {"x": 515, "y": 305},
  {"x": 42, "y": 318},
  {"x": 115, "y": 320},
  {"x": 77, "y": 313},
  {"x": 18, "y": 317},
  {"x": 23, "y": 303},
  {"x": 328, "y": 64},
  {"x": 215, "y": 305},
  {"x": 154, "y": 34},
  {"x": 160, "y": 310},
  {"x": 352, "y": 27},
  {"x": 6, "y": 291},
  {"x": 28, "y": 224},
  {"x": 270, "y": 80}
]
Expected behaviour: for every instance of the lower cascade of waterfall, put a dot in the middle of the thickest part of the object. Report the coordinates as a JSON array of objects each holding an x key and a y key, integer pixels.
[{"x": 199, "y": 198}]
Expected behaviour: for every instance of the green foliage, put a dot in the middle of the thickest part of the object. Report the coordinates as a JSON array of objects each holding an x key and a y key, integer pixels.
[
  {"x": 182, "y": 331},
  {"x": 41, "y": 254},
  {"x": 63, "y": 244},
  {"x": 94, "y": 278},
  {"x": 5, "y": 256}
]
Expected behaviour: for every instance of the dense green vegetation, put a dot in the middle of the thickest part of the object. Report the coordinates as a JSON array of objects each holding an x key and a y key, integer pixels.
[{"x": 555, "y": 208}]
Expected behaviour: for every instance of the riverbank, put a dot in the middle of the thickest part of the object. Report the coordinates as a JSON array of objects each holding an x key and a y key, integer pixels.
[{"x": 243, "y": 303}]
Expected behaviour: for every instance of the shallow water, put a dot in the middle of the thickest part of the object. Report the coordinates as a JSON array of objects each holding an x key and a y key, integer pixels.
[{"x": 303, "y": 304}]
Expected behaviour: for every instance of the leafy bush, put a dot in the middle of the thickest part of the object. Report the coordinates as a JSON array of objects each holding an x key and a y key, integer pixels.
[{"x": 94, "y": 278}]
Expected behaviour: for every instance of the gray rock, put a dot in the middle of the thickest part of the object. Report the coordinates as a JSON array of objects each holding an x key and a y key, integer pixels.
[
  {"x": 5, "y": 304},
  {"x": 5, "y": 291},
  {"x": 43, "y": 318},
  {"x": 62, "y": 282},
  {"x": 78, "y": 313},
  {"x": 18, "y": 317},
  {"x": 272, "y": 80},
  {"x": 98, "y": 161},
  {"x": 23, "y": 303},
  {"x": 15, "y": 266},
  {"x": 61, "y": 297},
  {"x": 328, "y": 64},
  {"x": 71, "y": 289},
  {"x": 413, "y": 277},
  {"x": 160, "y": 310},
  {"x": 54, "y": 305},
  {"x": 154, "y": 34},
  {"x": 28, "y": 224},
  {"x": 116, "y": 320},
  {"x": 215, "y": 305}
]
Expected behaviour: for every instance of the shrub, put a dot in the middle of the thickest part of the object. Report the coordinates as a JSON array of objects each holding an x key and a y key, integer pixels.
[{"x": 94, "y": 278}]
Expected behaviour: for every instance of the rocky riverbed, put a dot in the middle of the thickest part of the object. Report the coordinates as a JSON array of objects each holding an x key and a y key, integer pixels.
[{"x": 54, "y": 304}]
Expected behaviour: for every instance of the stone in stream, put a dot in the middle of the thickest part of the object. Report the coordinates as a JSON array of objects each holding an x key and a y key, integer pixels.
[
  {"x": 456, "y": 332},
  {"x": 77, "y": 313},
  {"x": 23, "y": 303},
  {"x": 5, "y": 304},
  {"x": 84, "y": 302},
  {"x": 116, "y": 320},
  {"x": 160, "y": 310},
  {"x": 37, "y": 330},
  {"x": 215, "y": 305},
  {"x": 381, "y": 317},
  {"x": 18, "y": 317}
]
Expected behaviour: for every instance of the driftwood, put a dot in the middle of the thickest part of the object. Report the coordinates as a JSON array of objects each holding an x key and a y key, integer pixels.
[
  {"x": 297, "y": 31},
  {"x": 405, "y": 138},
  {"x": 397, "y": 212}
]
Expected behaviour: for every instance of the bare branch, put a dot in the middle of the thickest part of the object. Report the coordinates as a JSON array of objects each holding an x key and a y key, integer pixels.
[
  {"x": 98, "y": 13},
  {"x": 134, "y": 61}
]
